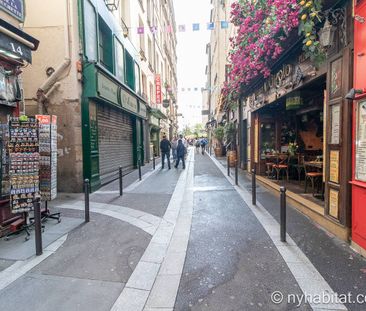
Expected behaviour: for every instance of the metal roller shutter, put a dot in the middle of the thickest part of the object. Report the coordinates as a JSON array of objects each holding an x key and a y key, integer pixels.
[{"x": 115, "y": 142}]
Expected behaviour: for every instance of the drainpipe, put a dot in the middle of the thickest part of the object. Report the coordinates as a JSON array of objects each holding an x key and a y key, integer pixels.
[{"x": 49, "y": 83}]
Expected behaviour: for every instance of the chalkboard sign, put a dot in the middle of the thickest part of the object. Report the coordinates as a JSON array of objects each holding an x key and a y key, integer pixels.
[{"x": 90, "y": 27}]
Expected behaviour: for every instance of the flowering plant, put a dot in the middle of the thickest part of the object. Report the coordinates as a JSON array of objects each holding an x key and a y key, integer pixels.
[
  {"x": 292, "y": 148},
  {"x": 262, "y": 26}
]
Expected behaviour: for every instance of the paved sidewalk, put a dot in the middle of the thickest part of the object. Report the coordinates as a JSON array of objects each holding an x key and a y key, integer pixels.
[
  {"x": 341, "y": 267},
  {"x": 91, "y": 265}
]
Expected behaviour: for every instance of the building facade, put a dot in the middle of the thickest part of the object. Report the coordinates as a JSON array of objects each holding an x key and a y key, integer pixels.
[
  {"x": 17, "y": 51},
  {"x": 92, "y": 73}
]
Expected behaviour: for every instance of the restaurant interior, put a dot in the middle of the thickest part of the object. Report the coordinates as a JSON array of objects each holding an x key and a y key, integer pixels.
[{"x": 291, "y": 141}]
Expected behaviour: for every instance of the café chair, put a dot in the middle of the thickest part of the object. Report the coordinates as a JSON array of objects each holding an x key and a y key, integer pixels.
[
  {"x": 282, "y": 165},
  {"x": 313, "y": 175},
  {"x": 299, "y": 166},
  {"x": 269, "y": 167}
]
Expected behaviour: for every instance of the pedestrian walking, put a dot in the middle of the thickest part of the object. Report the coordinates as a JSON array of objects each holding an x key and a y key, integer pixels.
[
  {"x": 165, "y": 147},
  {"x": 197, "y": 144},
  {"x": 203, "y": 145},
  {"x": 180, "y": 154},
  {"x": 174, "y": 144}
]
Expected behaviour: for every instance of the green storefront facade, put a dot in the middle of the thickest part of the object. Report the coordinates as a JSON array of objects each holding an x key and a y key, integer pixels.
[{"x": 113, "y": 115}]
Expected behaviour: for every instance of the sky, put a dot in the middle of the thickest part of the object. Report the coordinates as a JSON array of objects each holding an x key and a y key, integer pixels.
[{"x": 192, "y": 58}]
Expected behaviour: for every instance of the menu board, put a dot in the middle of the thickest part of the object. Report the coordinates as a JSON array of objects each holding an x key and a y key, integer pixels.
[
  {"x": 335, "y": 123},
  {"x": 360, "y": 170},
  {"x": 334, "y": 166},
  {"x": 23, "y": 153},
  {"x": 48, "y": 156},
  {"x": 333, "y": 203}
]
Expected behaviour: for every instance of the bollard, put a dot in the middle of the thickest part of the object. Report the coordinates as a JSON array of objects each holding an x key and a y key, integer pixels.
[
  {"x": 153, "y": 162},
  {"x": 228, "y": 166},
  {"x": 120, "y": 181},
  {"x": 254, "y": 190},
  {"x": 236, "y": 173},
  {"x": 283, "y": 213},
  {"x": 38, "y": 227},
  {"x": 210, "y": 150},
  {"x": 139, "y": 165},
  {"x": 86, "y": 193}
]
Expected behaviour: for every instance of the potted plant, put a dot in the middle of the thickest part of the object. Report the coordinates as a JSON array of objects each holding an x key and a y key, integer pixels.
[
  {"x": 230, "y": 139},
  {"x": 218, "y": 133}
]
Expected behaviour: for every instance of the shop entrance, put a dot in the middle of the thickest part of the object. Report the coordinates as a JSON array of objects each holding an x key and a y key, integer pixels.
[{"x": 291, "y": 141}]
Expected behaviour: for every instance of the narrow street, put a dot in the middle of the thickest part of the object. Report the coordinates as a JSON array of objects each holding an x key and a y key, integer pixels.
[{"x": 184, "y": 240}]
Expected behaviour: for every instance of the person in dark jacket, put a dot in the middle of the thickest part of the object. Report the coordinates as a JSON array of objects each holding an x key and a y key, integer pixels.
[
  {"x": 180, "y": 154},
  {"x": 165, "y": 147}
]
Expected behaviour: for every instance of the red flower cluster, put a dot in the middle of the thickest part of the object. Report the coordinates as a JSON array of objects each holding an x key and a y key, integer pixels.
[{"x": 262, "y": 26}]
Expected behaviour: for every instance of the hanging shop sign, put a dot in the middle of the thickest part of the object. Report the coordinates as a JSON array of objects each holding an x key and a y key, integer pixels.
[
  {"x": 14, "y": 48},
  {"x": 158, "y": 94},
  {"x": 128, "y": 101},
  {"x": 107, "y": 89},
  {"x": 14, "y": 8},
  {"x": 360, "y": 170}
]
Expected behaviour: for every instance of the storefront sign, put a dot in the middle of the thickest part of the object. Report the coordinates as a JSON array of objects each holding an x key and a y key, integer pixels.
[
  {"x": 14, "y": 8},
  {"x": 335, "y": 119},
  {"x": 293, "y": 102},
  {"x": 334, "y": 166},
  {"x": 107, "y": 89},
  {"x": 15, "y": 48},
  {"x": 129, "y": 102},
  {"x": 360, "y": 169},
  {"x": 154, "y": 120},
  {"x": 158, "y": 89},
  {"x": 142, "y": 110},
  {"x": 333, "y": 203}
]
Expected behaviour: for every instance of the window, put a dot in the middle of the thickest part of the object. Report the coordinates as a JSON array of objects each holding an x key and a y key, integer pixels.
[
  {"x": 138, "y": 79},
  {"x": 144, "y": 85},
  {"x": 90, "y": 32},
  {"x": 130, "y": 71},
  {"x": 142, "y": 36},
  {"x": 105, "y": 45},
  {"x": 150, "y": 52},
  {"x": 119, "y": 60}
]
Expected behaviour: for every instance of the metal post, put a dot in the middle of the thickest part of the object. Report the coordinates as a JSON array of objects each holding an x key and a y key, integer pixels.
[
  {"x": 139, "y": 166},
  {"x": 283, "y": 213},
  {"x": 38, "y": 227},
  {"x": 228, "y": 166},
  {"x": 236, "y": 173},
  {"x": 153, "y": 162},
  {"x": 120, "y": 181},
  {"x": 86, "y": 192},
  {"x": 210, "y": 149},
  {"x": 254, "y": 186}
]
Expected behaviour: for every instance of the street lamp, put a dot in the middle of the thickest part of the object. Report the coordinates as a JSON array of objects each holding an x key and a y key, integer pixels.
[
  {"x": 112, "y": 5},
  {"x": 326, "y": 34}
]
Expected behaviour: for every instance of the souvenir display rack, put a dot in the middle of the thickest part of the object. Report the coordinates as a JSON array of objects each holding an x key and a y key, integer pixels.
[
  {"x": 48, "y": 162},
  {"x": 23, "y": 156}
]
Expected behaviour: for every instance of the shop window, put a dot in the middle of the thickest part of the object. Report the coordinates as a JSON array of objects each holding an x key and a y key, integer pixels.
[
  {"x": 119, "y": 60},
  {"x": 138, "y": 79},
  {"x": 130, "y": 71},
  {"x": 105, "y": 45}
]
